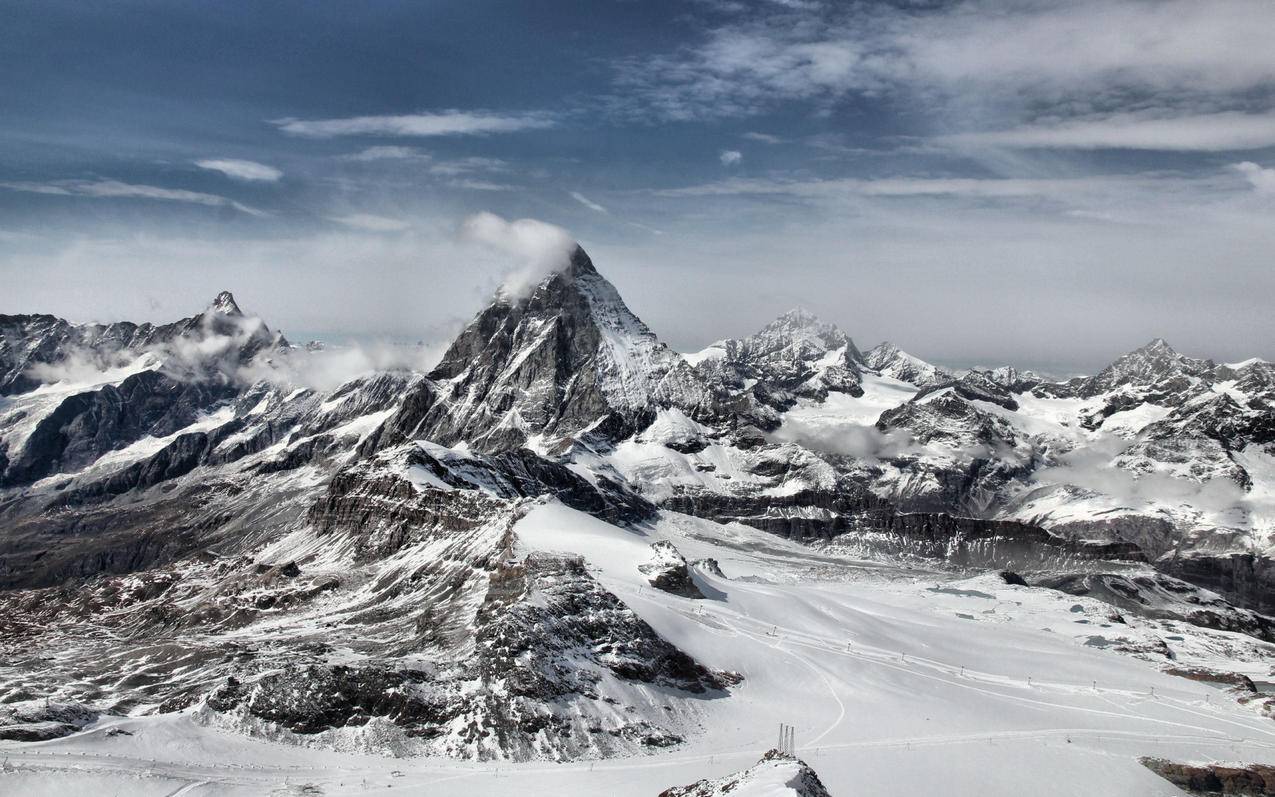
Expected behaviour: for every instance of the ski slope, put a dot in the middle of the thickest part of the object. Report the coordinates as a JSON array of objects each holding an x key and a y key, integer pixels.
[{"x": 898, "y": 682}]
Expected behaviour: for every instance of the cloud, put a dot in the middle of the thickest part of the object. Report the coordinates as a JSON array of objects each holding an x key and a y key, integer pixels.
[
  {"x": 328, "y": 368},
  {"x": 984, "y": 187},
  {"x": 1230, "y": 130},
  {"x": 242, "y": 170},
  {"x": 730, "y": 157},
  {"x": 764, "y": 138},
  {"x": 372, "y": 223},
  {"x": 1094, "y": 468},
  {"x": 847, "y": 439},
  {"x": 1262, "y": 180},
  {"x": 538, "y": 248},
  {"x": 114, "y": 189},
  {"x": 441, "y": 123},
  {"x": 985, "y": 61},
  {"x": 588, "y": 203},
  {"x": 387, "y": 152}
]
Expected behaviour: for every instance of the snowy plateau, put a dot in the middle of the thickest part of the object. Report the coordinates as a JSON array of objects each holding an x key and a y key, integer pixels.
[{"x": 567, "y": 559}]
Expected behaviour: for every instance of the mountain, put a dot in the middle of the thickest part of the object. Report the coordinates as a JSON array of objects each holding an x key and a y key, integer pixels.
[
  {"x": 567, "y": 357},
  {"x": 567, "y": 541},
  {"x": 889, "y": 360},
  {"x": 794, "y": 356}
]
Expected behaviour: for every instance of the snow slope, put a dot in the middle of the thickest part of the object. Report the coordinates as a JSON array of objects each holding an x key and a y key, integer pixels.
[{"x": 898, "y": 682}]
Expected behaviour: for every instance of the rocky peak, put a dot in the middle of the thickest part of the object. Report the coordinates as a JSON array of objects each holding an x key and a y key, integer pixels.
[
  {"x": 889, "y": 360},
  {"x": 1146, "y": 366},
  {"x": 567, "y": 357},
  {"x": 225, "y": 305},
  {"x": 777, "y": 773},
  {"x": 796, "y": 355}
]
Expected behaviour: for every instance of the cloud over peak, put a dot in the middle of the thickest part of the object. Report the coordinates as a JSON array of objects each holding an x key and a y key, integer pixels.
[{"x": 536, "y": 248}]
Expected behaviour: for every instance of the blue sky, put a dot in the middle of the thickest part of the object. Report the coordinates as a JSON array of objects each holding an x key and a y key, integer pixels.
[{"x": 979, "y": 182}]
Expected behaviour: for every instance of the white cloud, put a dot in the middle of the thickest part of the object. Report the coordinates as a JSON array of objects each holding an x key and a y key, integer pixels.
[
  {"x": 441, "y": 123},
  {"x": 1192, "y": 66},
  {"x": 1212, "y": 132},
  {"x": 764, "y": 138},
  {"x": 372, "y": 223},
  {"x": 588, "y": 203},
  {"x": 387, "y": 153},
  {"x": 730, "y": 157},
  {"x": 1262, "y": 179},
  {"x": 114, "y": 189},
  {"x": 241, "y": 169},
  {"x": 538, "y": 248}
]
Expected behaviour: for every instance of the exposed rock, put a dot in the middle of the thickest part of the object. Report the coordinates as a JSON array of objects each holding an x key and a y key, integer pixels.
[
  {"x": 41, "y": 720},
  {"x": 667, "y": 570},
  {"x": 1158, "y": 596},
  {"x": 1222, "y": 780},
  {"x": 776, "y": 774}
]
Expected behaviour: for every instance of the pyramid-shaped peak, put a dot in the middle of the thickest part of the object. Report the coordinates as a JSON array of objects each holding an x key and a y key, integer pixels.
[{"x": 225, "y": 304}]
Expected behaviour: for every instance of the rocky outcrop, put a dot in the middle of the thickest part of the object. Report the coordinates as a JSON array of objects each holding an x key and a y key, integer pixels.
[
  {"x": 776, "y": 774},
  {"x": 1216, "y": 780},
  {"x": 1158, "y": 596},
  {"x": 667, "y": 570}
]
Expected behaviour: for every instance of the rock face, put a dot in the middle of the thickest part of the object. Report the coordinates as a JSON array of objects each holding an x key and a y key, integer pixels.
[
  {"x": 1254, "y": 780},
  {"x": 776, "y": 774}
]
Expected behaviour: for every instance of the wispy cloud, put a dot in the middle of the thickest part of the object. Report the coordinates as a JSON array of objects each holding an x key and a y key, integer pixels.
[
  {"x": 730, "y": 157},
  {"x": 388, "y": 152},
  {"x": 241, "y": 169},
  {"x": 1214, "y": 132},
  {"x": 471, "y": 165},
  {"x": 905, "y": 187},
  {"x": 439, "y": 123},
  {"x": 372, "y": 223},
  {"x": 588, "y": 203},
  {"x": 114, "y": 189},
  {"x": 764, "y": 138}
]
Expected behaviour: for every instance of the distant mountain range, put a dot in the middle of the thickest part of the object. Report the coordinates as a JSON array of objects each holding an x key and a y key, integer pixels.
[{"x": 311, "y": 562}]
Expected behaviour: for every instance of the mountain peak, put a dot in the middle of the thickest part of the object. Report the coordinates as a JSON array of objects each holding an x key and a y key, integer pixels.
[
  {"x": 889, "y": 360},
  {"x": 1158, "y": 345},
  {"x": 798, "y": 317},
  {"x": 1145, "y": 366},
  {"x": 225, "y": 304},
  {"x": 556, "y": 361}
]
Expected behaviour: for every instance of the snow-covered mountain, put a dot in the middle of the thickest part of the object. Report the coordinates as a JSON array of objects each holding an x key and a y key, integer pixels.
[
  {"x": 555, "y": 543},
  {"x": 889, "y": 360}
]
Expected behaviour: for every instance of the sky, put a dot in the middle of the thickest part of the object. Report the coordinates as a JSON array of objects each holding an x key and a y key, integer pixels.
[{"x": 981, "y": 183}]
